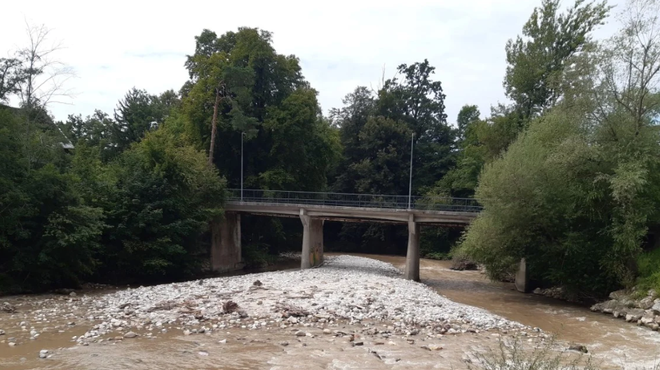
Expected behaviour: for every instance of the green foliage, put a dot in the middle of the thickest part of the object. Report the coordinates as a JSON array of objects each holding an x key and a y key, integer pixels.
[
  {"x": 135, "y": 115},
  {"x": 10, "y": 77},
  {"x": 567, "y": 198},
  {"x": 649, "y": 271},
  {"x": 48, "y": 234},
  {"x": 163, "y": 196},
  {"x": 537, "y": 59},
  {"x": 287, "y": 144}
]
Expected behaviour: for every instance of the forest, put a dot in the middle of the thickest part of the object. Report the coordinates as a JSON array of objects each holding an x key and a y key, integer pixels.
[{"x": 567, "y": 170}]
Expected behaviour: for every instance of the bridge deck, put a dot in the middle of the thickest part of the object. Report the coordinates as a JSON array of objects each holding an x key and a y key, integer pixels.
[{"x": 355, "y": 207}]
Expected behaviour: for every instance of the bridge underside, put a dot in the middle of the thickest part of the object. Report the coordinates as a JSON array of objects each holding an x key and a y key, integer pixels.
[{"x": 226, "y": 238}]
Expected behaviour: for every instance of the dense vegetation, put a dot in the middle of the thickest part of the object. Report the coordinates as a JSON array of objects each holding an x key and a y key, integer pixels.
[
  {"x": 567, "y": 171},
  {"x": 576, "y": 192}
]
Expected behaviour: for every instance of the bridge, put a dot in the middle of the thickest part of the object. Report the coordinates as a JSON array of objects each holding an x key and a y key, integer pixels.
[{"x": 313, "y": 208}]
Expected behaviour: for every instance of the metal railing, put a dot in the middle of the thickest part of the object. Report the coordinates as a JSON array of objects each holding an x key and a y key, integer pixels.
[{"x": 355, "y": 200}]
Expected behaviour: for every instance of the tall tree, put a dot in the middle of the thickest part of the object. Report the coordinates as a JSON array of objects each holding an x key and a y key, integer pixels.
[
  {"x": 10, "y": 77},
  {"x": 537, "y": 58},
  {"x": 575, "y": 194},
  {"x": 466, "y": 116},
  {"x": 136, "y": 114},
  {"x": 265, "y": 98},
  {"x": 43, "y": 77}
]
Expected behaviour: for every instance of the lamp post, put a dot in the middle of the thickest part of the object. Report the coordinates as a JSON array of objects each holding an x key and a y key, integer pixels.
[
  {"x": 242, "y": 134},
  {"x": 412, "y": 137}
]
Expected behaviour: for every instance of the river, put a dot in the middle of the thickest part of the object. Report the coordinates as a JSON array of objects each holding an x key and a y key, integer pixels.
[
  {"x": 602, "y": 334},
  {"x": 605, "y": 337}
]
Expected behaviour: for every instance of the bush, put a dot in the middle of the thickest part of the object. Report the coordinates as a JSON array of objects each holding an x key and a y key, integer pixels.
[
  {"x": 48, "y": 234},
  {"x": 570, "y": 202},
  {"x": 649, "y": 271},
  {"x": 437, "y": 256},
  {"x": 162, "y": 197},
  {"x": 515, "y": 355}
]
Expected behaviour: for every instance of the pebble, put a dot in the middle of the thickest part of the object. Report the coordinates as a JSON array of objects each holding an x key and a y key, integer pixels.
[
  {"x": 2, "y": 332},
  {"x": 345, "y": 289},
  {"x": 130, "y": 334},
  {"x": 43, "y": 353}
]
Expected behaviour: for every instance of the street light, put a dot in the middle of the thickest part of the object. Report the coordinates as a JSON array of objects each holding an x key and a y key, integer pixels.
[
  {"x": 412, "y": 136},
  {"x": 242, "y": 134}
]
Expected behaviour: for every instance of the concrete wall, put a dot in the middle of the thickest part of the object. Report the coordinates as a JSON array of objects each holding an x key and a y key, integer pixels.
[{"x": 226, "y": 243}]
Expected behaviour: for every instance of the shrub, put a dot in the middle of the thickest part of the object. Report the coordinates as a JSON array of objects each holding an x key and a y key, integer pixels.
[
  {"x": 162, "y": 198},
  {"x": 649, "y": 271}
]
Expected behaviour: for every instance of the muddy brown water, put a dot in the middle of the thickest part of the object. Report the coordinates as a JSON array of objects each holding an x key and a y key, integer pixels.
[
  {"x": 605, "y": 336},
  {"x": 613, "y": 340}
]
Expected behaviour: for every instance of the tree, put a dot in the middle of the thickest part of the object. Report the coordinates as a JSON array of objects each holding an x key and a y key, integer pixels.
[
  {"x": 298, "y": 131},
  {"x": 462, "y": 179},
  {"x": 242, "y": 90},
  {"x": 575, "y": 193},
  {"x": 10, "y": 77},
  {"x": 95, "y": 130},
  {"x": 42, "y": 78},
  {"x": 264, "y": 98},
  {"x": 466, "y": 116},
  {"x": 162, "y": 197},
  {"x": 135, "y": 115},
  {"x": 418, "y": 101},
  {"x": 537, "y": 59},
  {"x": 414, "y": 104},
  {"x": 358, "y": 107},
  {"x": 48, "y": 235}
]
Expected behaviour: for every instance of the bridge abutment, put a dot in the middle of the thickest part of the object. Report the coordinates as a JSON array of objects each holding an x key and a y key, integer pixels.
[
  {"x": 412, "y": 257},
  {"x": 312, "y": 243},
  {"x": 226, "y": 242}
]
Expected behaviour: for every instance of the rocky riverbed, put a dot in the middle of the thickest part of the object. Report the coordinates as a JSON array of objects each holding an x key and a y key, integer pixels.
[
  {"x": 356, "y": 299},
  {"x": 351, "y": 290},
  {"x": 643, "y": 310}
]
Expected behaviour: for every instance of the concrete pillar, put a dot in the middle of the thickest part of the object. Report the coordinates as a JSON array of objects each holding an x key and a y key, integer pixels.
[
  {"x": 312, "y": 241},
  {"x": 412, "y": 258},
  {"x": 226, "y": 243},
  {"x": 316, "y": 242},
  {"x": 522, "y": 277}
]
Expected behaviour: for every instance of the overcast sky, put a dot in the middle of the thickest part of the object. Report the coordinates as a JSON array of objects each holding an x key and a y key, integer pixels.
[{"x": 113, "y": 46}]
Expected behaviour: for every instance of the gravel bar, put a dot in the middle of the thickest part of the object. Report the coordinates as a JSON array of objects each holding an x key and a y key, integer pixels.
[{"x": 346, "y": 289}]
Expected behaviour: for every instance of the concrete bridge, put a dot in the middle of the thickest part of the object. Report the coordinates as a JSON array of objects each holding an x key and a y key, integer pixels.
[{"x": 314, "y": 209}]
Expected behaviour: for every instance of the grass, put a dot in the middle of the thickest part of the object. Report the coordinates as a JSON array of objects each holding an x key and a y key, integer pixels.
[
  {"x": 437, "y": 256},
  {"x": 649, "y": 271},
  {"x": 515, "y": 354}
]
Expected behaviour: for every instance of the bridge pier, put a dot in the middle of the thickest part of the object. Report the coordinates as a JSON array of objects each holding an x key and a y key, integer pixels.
[
  {"x": 312, "y": 243},
  {"x": 522, "y": 276},
  {"x": 412, "y": 257},
  {"x": 226, "y": 242}
]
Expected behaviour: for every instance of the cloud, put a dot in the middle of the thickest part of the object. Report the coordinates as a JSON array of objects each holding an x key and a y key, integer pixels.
[
  {"x": 155, "y": 54},
  {"x": 116, "y": 45}
]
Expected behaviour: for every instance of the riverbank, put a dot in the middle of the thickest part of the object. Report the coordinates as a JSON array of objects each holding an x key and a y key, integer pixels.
[
  {"x": 354, "y": 300},
  {"x": 351, "y": 313}
]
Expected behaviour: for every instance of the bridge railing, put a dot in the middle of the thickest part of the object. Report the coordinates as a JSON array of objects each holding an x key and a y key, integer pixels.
[{"x": 355, "y": 200}]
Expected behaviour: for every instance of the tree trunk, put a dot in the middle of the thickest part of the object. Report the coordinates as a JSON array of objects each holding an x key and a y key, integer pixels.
[{"x": 214, "y": 129}]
